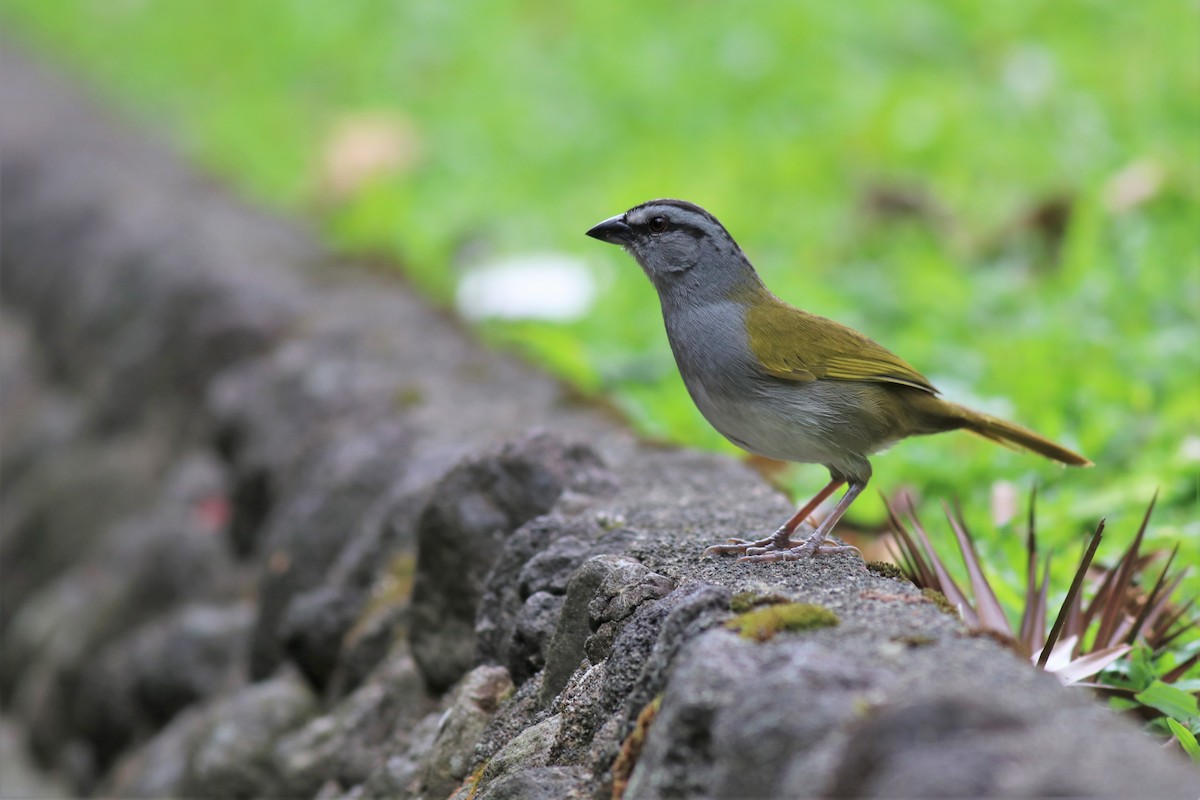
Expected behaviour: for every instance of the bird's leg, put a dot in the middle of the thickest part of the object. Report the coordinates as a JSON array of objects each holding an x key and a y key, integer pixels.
[
  {"x": 815, "y": 544},
  {"x": 781, "y": 539}
]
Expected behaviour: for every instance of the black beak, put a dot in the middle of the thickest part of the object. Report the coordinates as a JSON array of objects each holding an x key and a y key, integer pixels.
[{"x": 612, "y": 230}]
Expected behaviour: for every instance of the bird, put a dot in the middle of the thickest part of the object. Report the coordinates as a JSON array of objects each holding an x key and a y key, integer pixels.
[{"x": 781, "y": 382}]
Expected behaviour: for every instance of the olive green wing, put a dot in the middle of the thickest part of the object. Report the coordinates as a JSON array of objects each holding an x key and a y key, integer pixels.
[{"x": 795, "y": 345}]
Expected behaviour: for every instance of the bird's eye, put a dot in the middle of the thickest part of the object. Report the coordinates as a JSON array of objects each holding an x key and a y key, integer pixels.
[{"x": 657, "y": 224}]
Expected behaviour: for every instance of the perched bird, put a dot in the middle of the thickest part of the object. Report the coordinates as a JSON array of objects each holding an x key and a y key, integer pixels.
[{"x": 781, "y": 382}]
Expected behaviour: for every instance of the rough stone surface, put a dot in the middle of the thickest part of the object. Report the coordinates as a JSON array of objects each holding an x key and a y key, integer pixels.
[
  {"x": 471, "y": 706},
  {"x": 285, "y": 531},
  {"x": 468, "y": 516},
  {"x": 234, "y": 753}
]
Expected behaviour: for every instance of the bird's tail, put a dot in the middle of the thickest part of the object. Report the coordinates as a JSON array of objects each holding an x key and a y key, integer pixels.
[{"x": 1010, "y": 435}]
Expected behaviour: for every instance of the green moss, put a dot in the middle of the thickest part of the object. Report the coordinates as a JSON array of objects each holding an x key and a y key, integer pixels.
[
  {"x": 392, "y": 589},
  {"x": 763, "y": 623},
  {"x": 745, "y": 601},
  {"x": 886, "y": 569},
  {"x": 939, "y": 600},
  {"x": 409, "y": 397}
]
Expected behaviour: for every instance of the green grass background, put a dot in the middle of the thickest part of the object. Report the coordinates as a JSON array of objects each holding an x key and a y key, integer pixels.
[{"x": 534, "y": 120}]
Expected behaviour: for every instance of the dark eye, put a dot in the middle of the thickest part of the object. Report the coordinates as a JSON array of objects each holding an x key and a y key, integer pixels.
[{"x": 657, "y": 224}]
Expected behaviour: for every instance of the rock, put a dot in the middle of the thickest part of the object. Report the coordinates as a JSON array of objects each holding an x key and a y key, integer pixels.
[
  {"x": 379, "y": 627},
  {"x": 279, "y": 423},
  {"x": 538, "y": 559},
  {"x": 357, "y": 733},
  {"x": 732, "y": 723},
  {"x": 38, "y": 419},
  {"x": 534, "y": 627},
  {"x": 528, "y": 750},
  {"x": 56, "y": 511},
  {"x": 235, "y": 750},
  {"x": 605, "y": 589},
  {"x": 399, "y": 773},
  {"x": 541, "y": 783},
  {"x": 140, "y": 681},
  {"x": 138, "y": 570},
  {"x": 644, "y": 652},
  {"x": 470, "y": 514},
  {"x": 19, "y": 776},
  {"x": 472, "y": 705},
  {"x": 157, "y": 767},
  {"x": 314, "y": 627},
  {"x": 341, "y": 489},
  {"x": 948, "y": 747}
]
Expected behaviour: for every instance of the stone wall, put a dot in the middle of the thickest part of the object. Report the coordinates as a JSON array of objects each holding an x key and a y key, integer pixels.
[{"x": 271, "y": 526}]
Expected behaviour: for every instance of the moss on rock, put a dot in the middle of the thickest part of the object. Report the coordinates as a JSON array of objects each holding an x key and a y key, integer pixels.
[{"x": 763, "y": 623}]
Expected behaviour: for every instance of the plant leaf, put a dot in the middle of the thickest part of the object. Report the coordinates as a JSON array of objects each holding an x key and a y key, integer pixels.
[
  {"x": 1086, "y": 666},
  {"x": 1186, "y": 740},
  {"x": 991, "y": 614},
  {"x": 1072, "y": 595},
  {"x": 947, "y": 585},
  {"x": 1173, "y": 702},
  {"x": 1114, "y": 606},
  {"x": 1153, "y": 603}
]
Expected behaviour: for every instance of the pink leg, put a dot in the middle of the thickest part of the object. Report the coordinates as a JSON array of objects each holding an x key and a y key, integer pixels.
[
  {"x": 781, "y": 538},
  {"x": 815, "y": 544}
]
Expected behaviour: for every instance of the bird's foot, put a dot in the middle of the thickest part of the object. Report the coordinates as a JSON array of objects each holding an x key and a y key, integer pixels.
[
  {"x": 806, "y": 550},
  {"x": 779, "y": 540},
  {"x": 779, "y": 547},
  {"x": 737, "y": 547}
]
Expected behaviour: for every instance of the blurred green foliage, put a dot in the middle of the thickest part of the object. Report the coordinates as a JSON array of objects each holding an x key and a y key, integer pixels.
[{"x": 1006, "y": 194}]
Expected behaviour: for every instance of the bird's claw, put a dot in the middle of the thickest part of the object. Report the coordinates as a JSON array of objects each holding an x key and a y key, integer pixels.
[
  {"x": 809, "y": 549},
  {"x": 778, "y": 547},
  {"x": 735, "y": 547}
]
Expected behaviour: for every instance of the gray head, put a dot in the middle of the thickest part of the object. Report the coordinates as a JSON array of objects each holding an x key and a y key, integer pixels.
[{"x": 682, "y": 248}]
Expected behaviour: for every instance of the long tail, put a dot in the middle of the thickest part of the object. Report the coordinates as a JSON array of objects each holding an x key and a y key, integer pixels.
[{"x": 1006, "y": 433}]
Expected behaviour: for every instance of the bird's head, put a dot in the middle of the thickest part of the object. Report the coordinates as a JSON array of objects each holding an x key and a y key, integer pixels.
[{"x": 681, "y": 247}]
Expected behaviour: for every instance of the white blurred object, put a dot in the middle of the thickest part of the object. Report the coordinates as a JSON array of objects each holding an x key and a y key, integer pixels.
[
  {"x": 1004, "y": 502},
  {"x": 546, "y": 286}
]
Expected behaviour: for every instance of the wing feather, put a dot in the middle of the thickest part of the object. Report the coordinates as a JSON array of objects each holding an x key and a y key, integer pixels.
[{"x": 783, "y": 337}]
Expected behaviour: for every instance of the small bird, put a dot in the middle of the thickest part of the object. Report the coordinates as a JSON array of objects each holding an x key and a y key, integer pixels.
[{"x": 781, "y": 382}]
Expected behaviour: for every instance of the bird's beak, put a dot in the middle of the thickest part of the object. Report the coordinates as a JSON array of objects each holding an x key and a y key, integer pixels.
[{"x": 612, "y": 230}]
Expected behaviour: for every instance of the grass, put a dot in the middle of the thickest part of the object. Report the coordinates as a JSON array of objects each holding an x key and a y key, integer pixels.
[{"x": 903, "y": 167}]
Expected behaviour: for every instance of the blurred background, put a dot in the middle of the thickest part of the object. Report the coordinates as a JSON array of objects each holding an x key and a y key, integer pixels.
[{"x": 1006, "y": 194}]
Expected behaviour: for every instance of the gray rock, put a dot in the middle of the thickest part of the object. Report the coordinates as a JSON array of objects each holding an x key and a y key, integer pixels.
[
  {"x": 158, "y": 766},
  {"x": 733, "y": 723},
  {"x": 379, "y": 627},
  {"x": 644, "y": 652},
  {"x": 235, "y": 750},
  {"x": 944, "y": 748},
  {"x": 54, "y": 513},
  {"x": 140, "y": 681},
  {"x": 340, "y": 489},
  {"x": 539, "y": 558},
  {"x": 314, "y": 627},
  {"x": 541, "y": 783},
  {"x": 138, "y": 570},
  {"x": 399, "y": 773},
  {"x": 530, "y": 749},
  {"x": 19, "y": 776},
  {"x": 287, "y": 423},
  {"x": 472, "y": 705},
  {"x": 349, "y": 741},
  {"x": 534, "y": 626},
  {"x": 605, "y": 589},
  {"x": 470, "y": 514}
]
